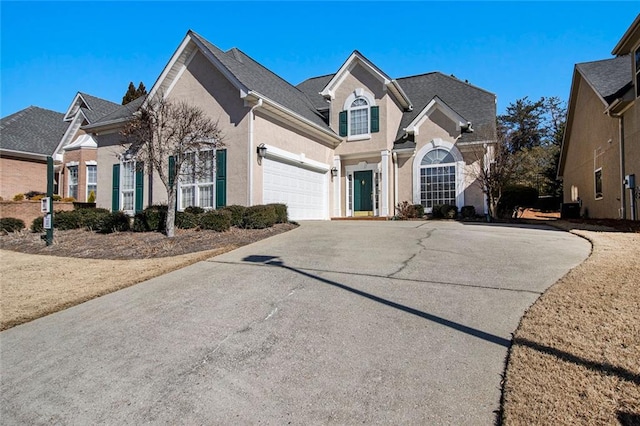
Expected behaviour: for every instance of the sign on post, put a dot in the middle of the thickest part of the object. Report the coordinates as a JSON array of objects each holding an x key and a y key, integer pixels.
[
  {"x": 46, "y": 221},
  {"x": 44, "y": 205}
]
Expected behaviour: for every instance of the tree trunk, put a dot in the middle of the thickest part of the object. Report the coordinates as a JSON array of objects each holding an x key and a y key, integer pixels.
[{"x": 171, "y": 213}]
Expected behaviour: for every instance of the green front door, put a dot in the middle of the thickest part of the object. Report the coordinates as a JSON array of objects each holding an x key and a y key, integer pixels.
[{"x": 363, "y": 192}]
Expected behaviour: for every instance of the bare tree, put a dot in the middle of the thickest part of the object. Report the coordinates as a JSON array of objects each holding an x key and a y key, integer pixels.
[
  {"x": 493, "y": 169},
  {"x": 176, "y": 140}
]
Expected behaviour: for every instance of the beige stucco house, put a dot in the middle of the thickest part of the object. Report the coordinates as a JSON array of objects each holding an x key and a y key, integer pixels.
[
  {"x": 600, "y": 159},
  {"x": 353, "y": 143}
]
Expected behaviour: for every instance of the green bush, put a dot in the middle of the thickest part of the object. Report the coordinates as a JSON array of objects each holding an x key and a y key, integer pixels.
[
  {"x": 11, "y": 224},
  {"x": 516, "y": 196},
  {"x": 18, "y": 197},
  {"x": 449, "y": 211},
  {"x": 281, "y": 212},
  {"x": 36, "y": 225},
  {"x": 468, "y": 212},
  {"x": 419, "y": 209},
  {"x": 31, "y": 195},
  {"x": 436, "y": 211},
  {"x": 64, "y": 220},
  {"x": 90, "y": 218},
  {"x": 114, "y": 222},
  {"x": 92, "y": 197},
  {"x": 187, "y": 220},
  {"x": 237, "y": 213},
  {"x": 259, "y": 217},
  {"x": 56, "y": 197},
  {"x": 194, "y": 210},
  {"x": 216, "y": 220},
  {"x": 151, "y": 219}
]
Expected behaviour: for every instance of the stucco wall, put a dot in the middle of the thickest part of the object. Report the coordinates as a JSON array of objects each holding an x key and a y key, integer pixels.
[
  {"x": 592, "y": 130},
  {"x": 20, "y": 176},
  {"x": 632, "y": 152}
]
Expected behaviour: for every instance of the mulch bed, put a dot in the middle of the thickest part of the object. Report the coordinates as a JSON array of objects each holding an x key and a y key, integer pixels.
[{"x": 134, "y": 245}]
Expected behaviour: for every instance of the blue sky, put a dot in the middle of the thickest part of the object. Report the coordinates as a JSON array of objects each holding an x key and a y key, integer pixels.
[{"x": 51, "y": 50}]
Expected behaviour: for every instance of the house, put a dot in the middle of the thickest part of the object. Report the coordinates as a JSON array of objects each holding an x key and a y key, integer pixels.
[
  {"x": 353, "y": 143},
  {"x": 33, "y": 134},
  {"x": 600, "y": 157}
]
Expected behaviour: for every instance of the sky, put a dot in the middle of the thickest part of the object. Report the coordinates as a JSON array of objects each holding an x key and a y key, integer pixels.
[{"x": 52, "y": 50}]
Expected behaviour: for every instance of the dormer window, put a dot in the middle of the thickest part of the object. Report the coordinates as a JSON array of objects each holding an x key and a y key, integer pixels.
[{"x": 360, "y": 117}]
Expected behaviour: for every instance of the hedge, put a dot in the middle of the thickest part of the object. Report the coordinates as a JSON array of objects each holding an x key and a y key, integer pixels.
[
  {"x": 259, "y": 217},
  {"x": 114, "y": 222},
  {"x": 11, "y": 224},
  {"x": 216, "y": 220},
  {"x": 237, "y": 213}
]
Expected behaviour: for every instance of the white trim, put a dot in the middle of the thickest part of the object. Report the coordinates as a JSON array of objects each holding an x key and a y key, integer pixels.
[
  {"x": 336, "y": 186},
  {"x": 167, "y": 69},
  {"x": 91, "y": 163},
  {"x": 251, "y": 154},
  {"x": 72, "y": 164},
  {"x": 87, "y": 183},
  {"x": 197, "y": 183},
  {"x": 459, "y": 163},
  {"x": 71, "y": 131},
  {"x": 354, "y": 59},
  {"x": 23, "y": 154},
  {"x": 360, "y": 167},
  {"x": 83, "y": 141},
  {"x": 384, "y": 185},
  {"x": 133, "y": 190},
  {"x": 359, "y": 93},
  {"x": 183, "y": 68},
  {"x": 74, "y": 107},
  {"x": 435, "y": 103},
  {"x": 298, "y": 159}
]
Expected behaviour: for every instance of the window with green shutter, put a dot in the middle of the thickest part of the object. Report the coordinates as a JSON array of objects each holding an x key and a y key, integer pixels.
[
  {"x": 115, "y": 192},
  {"x": 221, "y": 178},
  {"x": 139, "y": 187},
  {"x": 375, "y": 119},
  {"x": 343, "y": 123}
]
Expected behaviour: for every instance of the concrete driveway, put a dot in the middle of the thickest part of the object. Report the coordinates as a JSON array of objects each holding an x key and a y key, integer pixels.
[{"x": 332, "y": 323}]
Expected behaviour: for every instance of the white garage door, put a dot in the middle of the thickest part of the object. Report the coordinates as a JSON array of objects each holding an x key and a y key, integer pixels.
[{"x": 304, "y": 191}]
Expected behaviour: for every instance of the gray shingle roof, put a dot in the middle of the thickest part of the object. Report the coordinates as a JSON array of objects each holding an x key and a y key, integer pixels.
[
  {"x": 96, "y": 107},
  {"x": 312, "y": 88},
  {"x": 123, "y": 111},
  {"x": 609, "y": 77},
  {"x": 472, "y": 103},
  {"x": 257, "y": 78},
  {"x": 34, "y": 130}
]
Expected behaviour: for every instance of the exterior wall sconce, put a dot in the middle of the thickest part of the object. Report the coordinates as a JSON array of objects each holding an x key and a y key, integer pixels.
[
  {"x": 334, "y": 172},
  {"x": 262, "y": 150}
]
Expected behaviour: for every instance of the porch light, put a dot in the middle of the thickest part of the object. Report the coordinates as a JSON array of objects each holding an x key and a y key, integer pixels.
[
  {"x": 262, "y": 150},
  {"x": 334, "y": 172}
]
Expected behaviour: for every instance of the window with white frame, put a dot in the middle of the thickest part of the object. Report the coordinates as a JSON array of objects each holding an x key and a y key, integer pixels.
[
  {"x": 359, "y": 117},
  {"x": 197, "y": 180},
  {"x": 73, "y": 181},
  {"x": 437, "y": 178},
  {"x": 92, "y": 180},
  {"x": 128, "y": 185}
]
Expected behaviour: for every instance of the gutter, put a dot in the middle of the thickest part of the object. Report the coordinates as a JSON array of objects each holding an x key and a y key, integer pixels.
[{"x": 251, "y": 152}]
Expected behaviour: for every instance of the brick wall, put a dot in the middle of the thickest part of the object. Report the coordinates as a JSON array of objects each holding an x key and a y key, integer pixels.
[
  {"x": 28, "y": 210},
  {"x": 20, "y": 176}
]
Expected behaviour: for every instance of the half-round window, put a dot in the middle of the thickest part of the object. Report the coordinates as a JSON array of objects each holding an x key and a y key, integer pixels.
[
  {"x": 437, "y": 156},
  {"x": 437, "y": 179}
]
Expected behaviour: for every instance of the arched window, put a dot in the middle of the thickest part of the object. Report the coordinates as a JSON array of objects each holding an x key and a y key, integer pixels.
[
  {"x": 359, "y": 117},
  {"x": 437, "y": 178}
]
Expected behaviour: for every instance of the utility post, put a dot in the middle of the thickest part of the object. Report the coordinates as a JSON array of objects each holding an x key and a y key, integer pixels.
[{"x": 49, "y": 215}]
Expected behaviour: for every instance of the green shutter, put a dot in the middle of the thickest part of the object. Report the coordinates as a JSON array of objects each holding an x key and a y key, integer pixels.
[
  {"x": 115, "y": 194},
  {"x": 221, "y": 178},
  {"x": 343, "y": 123},
  {"x": 375, "y": 119},
  {"x": 172, "y": 170},
  {"x": 139, "y": 187}
]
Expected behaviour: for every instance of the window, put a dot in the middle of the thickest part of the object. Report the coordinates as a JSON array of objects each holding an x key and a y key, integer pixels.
[
  {"x": 359, "y": 117},
  {"x": 637, "y": 71},
  {"x": 127, "y": 185},
  {"x": 197, "y": 180},
  {"x": 598, "y": 183},
  {"x": 73, "y": 181},
  {"x": 437, "y": 179},
  {"x": 92, "y": 180}
]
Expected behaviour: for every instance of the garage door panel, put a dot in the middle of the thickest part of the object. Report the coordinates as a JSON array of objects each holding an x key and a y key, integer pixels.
[{"x": 301, "y": 189}]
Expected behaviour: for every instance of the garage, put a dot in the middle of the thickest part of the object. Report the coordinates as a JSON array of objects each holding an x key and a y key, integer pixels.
[{"x": 301, "y": 188}]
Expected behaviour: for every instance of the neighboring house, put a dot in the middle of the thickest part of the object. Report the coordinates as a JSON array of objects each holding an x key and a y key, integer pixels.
[
  {"x": 601, "y": 146},
  {"x": 29, "y": 136},
  {"x": 353, "y": 143}
]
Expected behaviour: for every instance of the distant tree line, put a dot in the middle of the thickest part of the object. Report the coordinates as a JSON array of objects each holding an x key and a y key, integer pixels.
[{"x": 133, "y": 93}]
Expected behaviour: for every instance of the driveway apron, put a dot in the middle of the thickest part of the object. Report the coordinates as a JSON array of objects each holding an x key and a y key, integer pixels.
[{"x": 331, "y": 323}]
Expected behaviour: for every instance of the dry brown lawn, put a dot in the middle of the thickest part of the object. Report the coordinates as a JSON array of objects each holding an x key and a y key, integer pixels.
[
  {"x": 36, "y": 280},
  {"x": 575, "y": 357}
]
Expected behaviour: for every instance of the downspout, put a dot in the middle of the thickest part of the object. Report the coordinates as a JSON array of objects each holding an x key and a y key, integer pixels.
[
  {"x": 250, "y": 154},
  {"x": 623, "y": 203},
  {"x": 394, "y": 157}
]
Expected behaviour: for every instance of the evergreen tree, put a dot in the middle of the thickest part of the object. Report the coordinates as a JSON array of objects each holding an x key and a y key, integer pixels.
[
  {"x": 141, "y": 90},
  {"x": 133, "y": 93}
]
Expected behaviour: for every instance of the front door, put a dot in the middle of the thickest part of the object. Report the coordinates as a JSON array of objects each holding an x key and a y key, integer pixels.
[{"x": 363, "y": 193}]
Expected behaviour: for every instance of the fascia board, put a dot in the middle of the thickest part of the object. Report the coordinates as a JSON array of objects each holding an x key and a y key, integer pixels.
[
  {"x": 23, "y": 154},
  {"x": 273, "y": 152},
  {"x": 435, "y": 102},
  {"x": 220, "y": 66},
  {"x": 401, "y": 95},
  {"x": 67, "y": 115},
  {"x": 105, "y": 124},
  {"x": 353, "y": 59},
  {"x": 71, "y": 130},
  {"x": 172, "y": 62},
  {"x": 624, "y": 46}
]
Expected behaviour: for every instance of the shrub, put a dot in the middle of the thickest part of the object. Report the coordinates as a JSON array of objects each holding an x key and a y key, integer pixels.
[
  {"x": 151, "y": 219},
  {"x": 405, "y": 210},
  {"x": 56, "y": 197},
  {"x": 216, "y": 220},
  {"x": 36, "y": 225},
  {"x": 281, "y": 212},
  {"x": 68, "y": 200},
  {"x": 64, "y": 220},
  {"x": 449, "y": 211},
  {"x": 91, "y": 218},
  {"x": 516, "y": 196},
  {"x": 436, "y": 211},
  {"x": 37, "y": 197},
  {"x": 259, "y": 217},
  {"x": 186, "y": 220},
  {"x": 237, "y": 213},
  {"x": 114, "y": 222},
  {"x": 419, "y": 209},
  {"x": 92, "y": 197},
  {"x": 11, "y": 224},
  {"x": 194, "y": 210},
  {"x": 468, "y": 212},
  {"x": 18, "y": 197},
  {"x": 31, "y": 195}
]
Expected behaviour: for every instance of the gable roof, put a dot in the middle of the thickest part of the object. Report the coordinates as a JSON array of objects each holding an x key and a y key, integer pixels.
[
  {"x": 474, "y": 104},
  {"x": 121, "y": 114},
  {"x": 609, "y": 78},
  {"x": 312, "y": 88},
  {"x": 629, "y": 39},
  {"x": 32, "y": 130},
  {"x": 92, "y": 107}
]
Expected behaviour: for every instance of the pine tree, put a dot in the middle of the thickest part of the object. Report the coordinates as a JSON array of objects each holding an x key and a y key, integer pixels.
[
  {"x": 141, "y": 90},
  {"x": 130, "y": 95}
]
